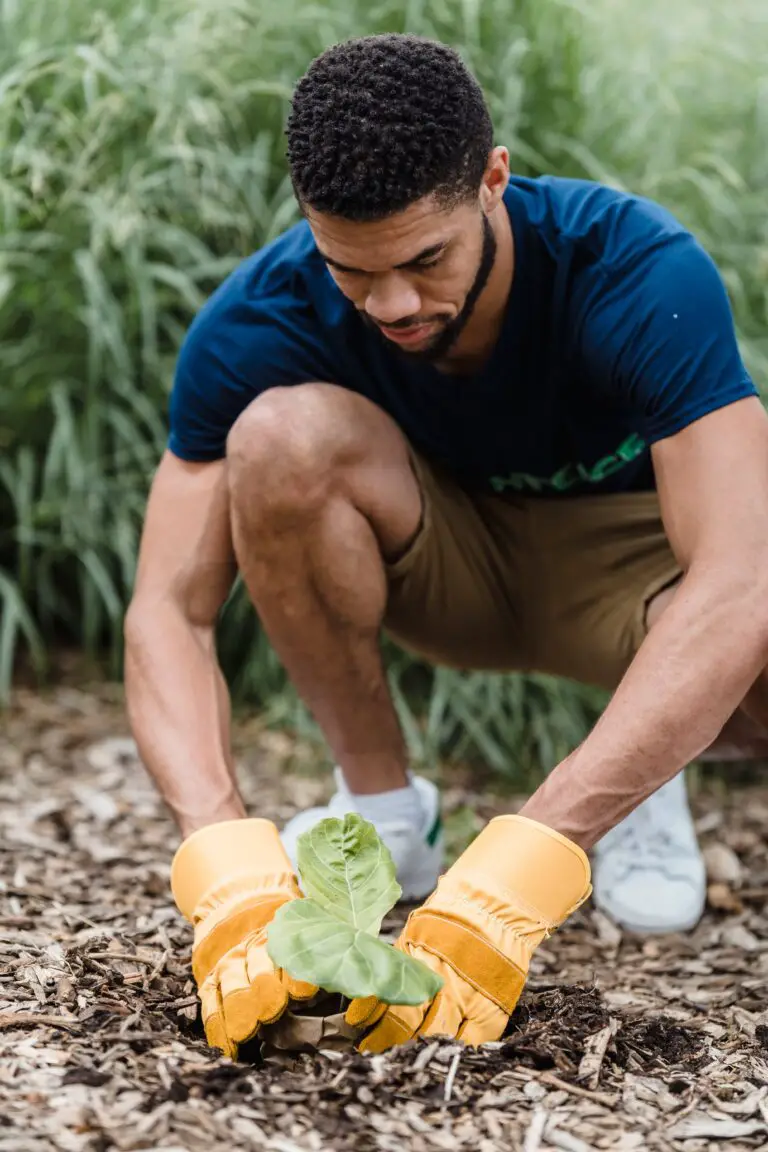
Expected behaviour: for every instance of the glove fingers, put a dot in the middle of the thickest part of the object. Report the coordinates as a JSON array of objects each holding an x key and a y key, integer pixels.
[
  {"x": 401, "y": 1022},
  {"x": 244, "y": 992},
  {"x": 365, "y": 1011},
  {"x": 213, "y": 1017},
  {"x": 261, "y": 966},
  {"x": 296, "y": 989},
  {"x": 242, "y": 1001},
  {"x": 444, "y": 1016},
  {"x": 486, "y": 1022},
  {"x": 257, "y": 962},
  {"x": 398, "y": 1025},
  {"x": 247, "y": 1008},
  {"x": 268, "y": 997}
]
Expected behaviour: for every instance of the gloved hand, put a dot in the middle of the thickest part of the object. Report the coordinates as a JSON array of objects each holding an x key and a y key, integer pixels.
[
  {"x": 228, "y": 880},
  {"x": 512, "y": 887}
]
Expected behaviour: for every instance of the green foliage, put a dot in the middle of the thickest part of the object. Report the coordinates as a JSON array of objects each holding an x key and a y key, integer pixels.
[
  {"x": 330, "y": 937},
  {"x": 141, "y": 156},
  {"x": 348, "y": 871}
]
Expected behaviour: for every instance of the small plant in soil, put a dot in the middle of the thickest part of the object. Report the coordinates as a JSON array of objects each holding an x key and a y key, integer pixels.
[{"x": 331, "y": 938}]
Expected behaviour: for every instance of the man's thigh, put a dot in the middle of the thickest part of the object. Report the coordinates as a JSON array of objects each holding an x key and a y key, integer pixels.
[
  {"x": 600, "y": 562},
  {"x": 513, "y": 583},
  {"x": 456, "y": 595}
]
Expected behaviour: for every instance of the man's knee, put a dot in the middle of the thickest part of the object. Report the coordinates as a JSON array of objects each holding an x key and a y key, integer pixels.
[
  {"x": 284, "y": 448},
  {"x": 294, "y": 449}
]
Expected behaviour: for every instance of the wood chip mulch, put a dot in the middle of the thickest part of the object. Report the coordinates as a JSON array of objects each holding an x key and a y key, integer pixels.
[{"x": 618, "y": 1043}]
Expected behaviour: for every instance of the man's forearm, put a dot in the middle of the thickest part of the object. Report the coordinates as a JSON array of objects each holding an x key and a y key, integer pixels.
[
  {"x": 689, "y": 676},
  {"x": 178, "y": 707}
]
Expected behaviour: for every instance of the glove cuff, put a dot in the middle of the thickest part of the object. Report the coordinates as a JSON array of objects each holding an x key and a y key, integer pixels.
[
  {"x": 224, "y": 857},
  {"x": 524, "y": 866}
]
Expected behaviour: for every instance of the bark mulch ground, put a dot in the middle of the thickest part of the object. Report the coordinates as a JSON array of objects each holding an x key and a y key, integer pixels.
[{"x": 618, "y": 1043}]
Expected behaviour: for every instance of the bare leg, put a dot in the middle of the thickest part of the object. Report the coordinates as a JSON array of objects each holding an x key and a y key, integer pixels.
[{"x": 321, "y": 491}]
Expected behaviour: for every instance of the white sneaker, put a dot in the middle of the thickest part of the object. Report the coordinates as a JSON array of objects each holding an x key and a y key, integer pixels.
[
  {"x": 649, "y": 874},
  {"x": 417, "y": 852}
]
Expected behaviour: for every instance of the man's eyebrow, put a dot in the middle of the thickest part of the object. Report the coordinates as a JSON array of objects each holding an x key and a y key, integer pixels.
[{"x": 425, "y": 254}]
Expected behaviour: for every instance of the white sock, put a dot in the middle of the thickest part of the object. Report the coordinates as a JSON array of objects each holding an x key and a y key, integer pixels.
[{"x": 401, "y": 804}]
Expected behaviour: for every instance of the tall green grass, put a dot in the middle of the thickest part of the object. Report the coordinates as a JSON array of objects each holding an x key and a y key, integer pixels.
[{"x": 141, "y": 156}]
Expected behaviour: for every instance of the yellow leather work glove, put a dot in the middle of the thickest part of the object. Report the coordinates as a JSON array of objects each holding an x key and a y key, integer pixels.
[
  {"x": 512, "y": 887},
  {"x": 228, "y": 880}
]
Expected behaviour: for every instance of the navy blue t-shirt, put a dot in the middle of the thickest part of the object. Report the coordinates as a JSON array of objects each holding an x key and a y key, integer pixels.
[{"x": 618, "y": 332}]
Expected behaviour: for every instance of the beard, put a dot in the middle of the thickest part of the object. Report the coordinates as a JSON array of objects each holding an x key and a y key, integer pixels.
[{"x": 444, "y": 340}]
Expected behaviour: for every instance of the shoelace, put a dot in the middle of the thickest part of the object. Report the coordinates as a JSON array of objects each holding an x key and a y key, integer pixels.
[
  {"x": 644, "y": 843},
  {"x": 649, "y": 847}
]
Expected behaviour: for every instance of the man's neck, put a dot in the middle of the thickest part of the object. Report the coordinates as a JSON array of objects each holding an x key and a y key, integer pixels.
[{"x": 476, "y": 343}]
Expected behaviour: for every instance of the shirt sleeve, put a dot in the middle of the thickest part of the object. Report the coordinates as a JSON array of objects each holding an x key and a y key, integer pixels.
[
  {"x": 660, "y": 339},
  {"x": 232, "y": 353}
]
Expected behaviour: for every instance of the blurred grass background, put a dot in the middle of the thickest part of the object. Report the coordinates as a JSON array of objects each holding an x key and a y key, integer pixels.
[{"x": 141, "y": 157}]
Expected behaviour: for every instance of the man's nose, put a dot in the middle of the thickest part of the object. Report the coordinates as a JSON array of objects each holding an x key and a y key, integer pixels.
[{"x": 391, "y": 299}]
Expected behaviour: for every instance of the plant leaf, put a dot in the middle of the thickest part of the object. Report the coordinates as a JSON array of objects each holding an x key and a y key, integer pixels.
[
  {"x": 346, "y": 869},
  {"x": 311, "y": 944}
]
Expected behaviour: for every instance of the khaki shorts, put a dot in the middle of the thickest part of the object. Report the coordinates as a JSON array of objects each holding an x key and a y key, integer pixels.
[{"x": 502, "y": 582}]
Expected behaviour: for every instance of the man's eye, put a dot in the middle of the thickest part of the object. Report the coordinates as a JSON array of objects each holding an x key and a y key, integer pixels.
[{"x": 429, "y": 263}]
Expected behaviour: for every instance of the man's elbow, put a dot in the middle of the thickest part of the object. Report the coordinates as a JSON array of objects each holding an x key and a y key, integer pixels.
[
  {"x": 146, "y": 620},
  {"x": 152, "y": 622},
  {"x": 139, "y": 620},
  {"x": 139, "y": 626}
]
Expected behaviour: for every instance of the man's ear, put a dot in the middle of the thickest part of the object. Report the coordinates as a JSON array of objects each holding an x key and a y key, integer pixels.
[{"x": 495, "y": 178}]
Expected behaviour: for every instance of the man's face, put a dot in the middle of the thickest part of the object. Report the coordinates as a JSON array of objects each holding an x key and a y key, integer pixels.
[{"x": 414, "y": 277}]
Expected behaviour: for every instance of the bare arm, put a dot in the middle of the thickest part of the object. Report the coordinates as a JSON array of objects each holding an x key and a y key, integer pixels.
[
  {"x": 711, "y": 643},
  {"x": 177, "y": 699}
]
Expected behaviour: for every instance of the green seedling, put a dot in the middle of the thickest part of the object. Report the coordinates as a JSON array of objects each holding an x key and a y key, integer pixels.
[{"x": 330, "y": 938}]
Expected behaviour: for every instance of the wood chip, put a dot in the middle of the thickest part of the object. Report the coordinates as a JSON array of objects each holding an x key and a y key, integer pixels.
[
  {"x": 574, "y": 1090},
  {"x": 723, "y": 865},
  {"x": 37, "y": 1020},
  {"x": 595, "y": 1048},
  {"x": 535, "y": 1131},
  {"x": 451, "y": 1076},
  {"x": 697, "y": 1126},
  {"x": 566, "y": 1141}
]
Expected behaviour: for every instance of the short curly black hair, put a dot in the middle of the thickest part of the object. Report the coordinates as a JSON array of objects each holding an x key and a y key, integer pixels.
[{"x": 378, "y": 122}]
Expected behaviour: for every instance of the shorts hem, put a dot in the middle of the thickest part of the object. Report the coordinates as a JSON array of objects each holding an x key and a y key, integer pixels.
[
  {"x": 652, "y": 590},
  {"x": 400, "y": 567}
]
